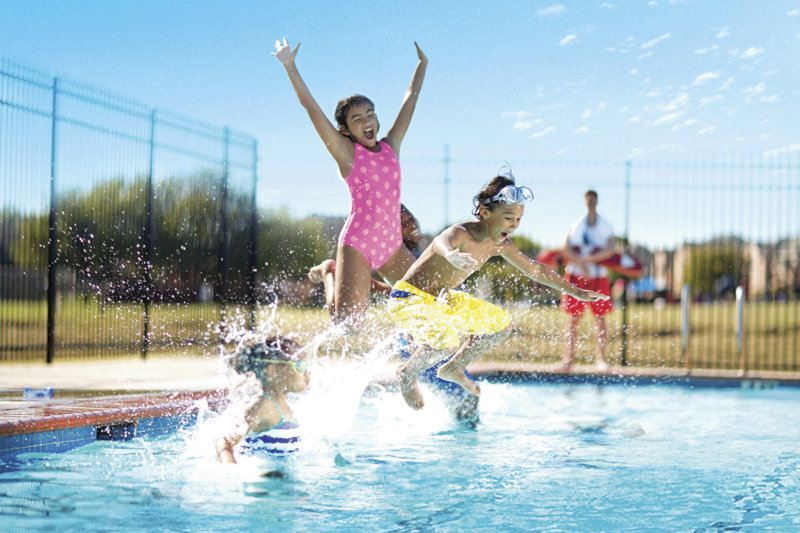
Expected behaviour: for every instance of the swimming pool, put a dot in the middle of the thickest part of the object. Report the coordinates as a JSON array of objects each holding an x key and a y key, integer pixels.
[{"x": 546, "y": 457}]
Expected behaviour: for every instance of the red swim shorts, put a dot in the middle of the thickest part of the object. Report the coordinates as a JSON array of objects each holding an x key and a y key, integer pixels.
[{"x": 576, "y": 307}]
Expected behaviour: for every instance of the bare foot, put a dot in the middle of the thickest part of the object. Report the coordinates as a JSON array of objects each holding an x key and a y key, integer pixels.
[
  {"x": 409, "y": 388},
  {"x": 317, "y": 274},
  {"x": 563, "y": 366},
  {"x": 457, "y": 376}
]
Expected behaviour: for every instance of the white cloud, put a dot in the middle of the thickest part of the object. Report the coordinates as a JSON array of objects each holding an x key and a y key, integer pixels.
[
  {"x": 726, "y": 85},
  {"x": 669, "y": 117},
  {"x": 586, "y": 114},
  {"x": 793, "y": 13},
  {"x": 733, "y": 52},
  {"x": 566, "y": 40},
  {"x": 705, "y": 77},
  {"x": 752, "y": 52},
  {"x": 654, "y": 41},
  {"x": 723, "y": 33},
  {"x": 635, "y": 71},
  {"x": 582, "y": 129},
  {"x": 758, "y": 89},
  {"x": 547, "y": 131},
  {"x": 552, "y": 10},
  {"x": 607, "y": 5},
  {"x": 516, "y": 114},
  {"x": 710, "y": 99},
  {"x": 634, "y": 119},
  {"x": 765, "y": 121},
  {"x": 772, "y": 98},
  {"x": 523, "y": 125},
  {"x": 653, "y": 3},
  {"x": 624, "y": 109},
  {"x": 629, "y": 39},
  {"x": 653, "y": 93},
  {"x": 681, "y": 100},
  {"x": 646, "y": 81},
  {"x": 689, "y": 122},
  {"x": 610, "y": 49},
  {"x": 647, "y": 54},
  {"x": 707, "y": 130},
  {"x": 770, "y": 72},
  {"x": 780, "y": 151},
  {"x": 701, "y": 51}
]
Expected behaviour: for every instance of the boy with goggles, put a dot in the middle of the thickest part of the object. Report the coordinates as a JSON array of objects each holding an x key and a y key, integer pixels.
[{"x": 455, "y": 318}]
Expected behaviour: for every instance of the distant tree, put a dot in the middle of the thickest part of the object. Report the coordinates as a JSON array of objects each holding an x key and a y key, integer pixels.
[{"x": 709, "y": 266}]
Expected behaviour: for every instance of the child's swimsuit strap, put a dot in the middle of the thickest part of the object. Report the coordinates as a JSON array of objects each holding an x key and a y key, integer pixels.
[{"x": 280, "y": 412}]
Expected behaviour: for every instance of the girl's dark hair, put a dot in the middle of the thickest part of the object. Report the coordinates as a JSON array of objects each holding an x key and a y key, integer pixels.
[
  {"x": 493, "y": 187},
  {"x": 253, "y": 355},
  {"x": 344, "y": 106}
]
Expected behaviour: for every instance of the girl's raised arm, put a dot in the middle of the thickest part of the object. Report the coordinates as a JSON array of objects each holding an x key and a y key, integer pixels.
[
  {"x": 398, "y": 130},
  {"x": 339, "y": 146}
]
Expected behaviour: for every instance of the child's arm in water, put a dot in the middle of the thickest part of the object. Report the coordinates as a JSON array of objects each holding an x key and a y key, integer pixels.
[
  {"x": 339, "y": 146},
  {"x": 545, "y": 275},
  {"x": 257, "y": 411},
  {"x": 394, "y": 137}
]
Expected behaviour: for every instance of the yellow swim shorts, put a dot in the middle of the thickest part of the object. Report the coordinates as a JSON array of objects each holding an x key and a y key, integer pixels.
[{"x": 440, "y": 322}]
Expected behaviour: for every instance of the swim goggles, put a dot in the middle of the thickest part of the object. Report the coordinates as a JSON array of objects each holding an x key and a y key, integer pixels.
[
  {"x": 512, "y": 195},
  {"x": 298, "y": 366}
]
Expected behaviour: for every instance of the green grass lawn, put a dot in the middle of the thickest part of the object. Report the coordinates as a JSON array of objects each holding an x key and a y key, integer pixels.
[{"x": 86, "y": 329}]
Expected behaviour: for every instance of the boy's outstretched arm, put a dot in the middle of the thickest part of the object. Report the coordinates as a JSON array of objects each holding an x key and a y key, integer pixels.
[
  {"x": 334, "y": 141},
  {"x": 546, "y": 276},
  {"x": 398, "y": 130},
  {"x": 446, "y": 243}
]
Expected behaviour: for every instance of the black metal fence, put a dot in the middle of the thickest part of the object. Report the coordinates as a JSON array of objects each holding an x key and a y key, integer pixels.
[
  {"x": 709, "y": 221},
  {"x": 123, "y": 229}
]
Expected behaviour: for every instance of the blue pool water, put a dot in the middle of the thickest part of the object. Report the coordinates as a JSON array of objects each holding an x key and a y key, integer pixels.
[{"x": 546, "y": 457}]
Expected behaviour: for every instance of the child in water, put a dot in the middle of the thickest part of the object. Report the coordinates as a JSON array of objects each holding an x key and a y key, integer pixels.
[
  {"x": 424, "y": 304},
  {"x": 267, "y": 423},
  {"x": 370, "y": 239}
]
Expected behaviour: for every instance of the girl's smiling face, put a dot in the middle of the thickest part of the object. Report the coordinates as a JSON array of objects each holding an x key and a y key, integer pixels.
[
  {"x": 362, "y": 125},
  {"x": 501, "y": 221}
]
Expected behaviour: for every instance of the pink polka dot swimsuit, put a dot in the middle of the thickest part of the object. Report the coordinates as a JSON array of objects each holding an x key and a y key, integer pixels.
[{"x": 373, "y": 227}]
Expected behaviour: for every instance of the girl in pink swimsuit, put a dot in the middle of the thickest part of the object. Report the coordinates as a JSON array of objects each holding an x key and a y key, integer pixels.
[{"x": 371, "y": 237}]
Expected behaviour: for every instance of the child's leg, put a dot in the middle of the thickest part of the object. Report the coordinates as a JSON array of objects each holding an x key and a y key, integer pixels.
[
  {"x": 601, "y": 340},
  {"x": 397, "y": 265},
  {"x": 425, "y": 357},
  {"x": 475, "y": 347},
  {"x": 325, "y": 273},
  {"x": 351, "y": 286}
]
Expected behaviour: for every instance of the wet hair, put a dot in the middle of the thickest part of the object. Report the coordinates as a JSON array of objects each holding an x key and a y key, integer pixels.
[
  {"x": 592, "y": 192},
  {"x": 489, "y": 190},
  {"x": 252, "y": 356},
  {"x": 344, "y": 106}
]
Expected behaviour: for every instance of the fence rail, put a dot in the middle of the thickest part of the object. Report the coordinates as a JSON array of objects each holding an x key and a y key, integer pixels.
[{"x": 122, "y": 228}]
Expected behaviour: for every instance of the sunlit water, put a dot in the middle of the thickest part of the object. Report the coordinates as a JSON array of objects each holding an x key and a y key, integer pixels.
[{"x": 544, "y": 458}]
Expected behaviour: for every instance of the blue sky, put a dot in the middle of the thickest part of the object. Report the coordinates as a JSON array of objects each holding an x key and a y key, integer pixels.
[{"x": 507, "y": 81}]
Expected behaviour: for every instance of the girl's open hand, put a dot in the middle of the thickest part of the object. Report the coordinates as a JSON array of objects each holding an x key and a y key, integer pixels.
[
  {"x": 420, "y": 54},
  {"x": 462, "y": 261},
  {"x": 285, "y": 52}
]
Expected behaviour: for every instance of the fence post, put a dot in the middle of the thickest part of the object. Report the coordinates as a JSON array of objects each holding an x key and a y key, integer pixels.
[
  {"x": 149, "y": 231},
  {"x": 624, "y": 358},
  {"x": 253, "y": 259},
  {"x": 685, "y": 301},
  {"x": 52, "y": 237},
  {"x": 223, "y": 245},
  {"x": 740, "y": 351}
]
